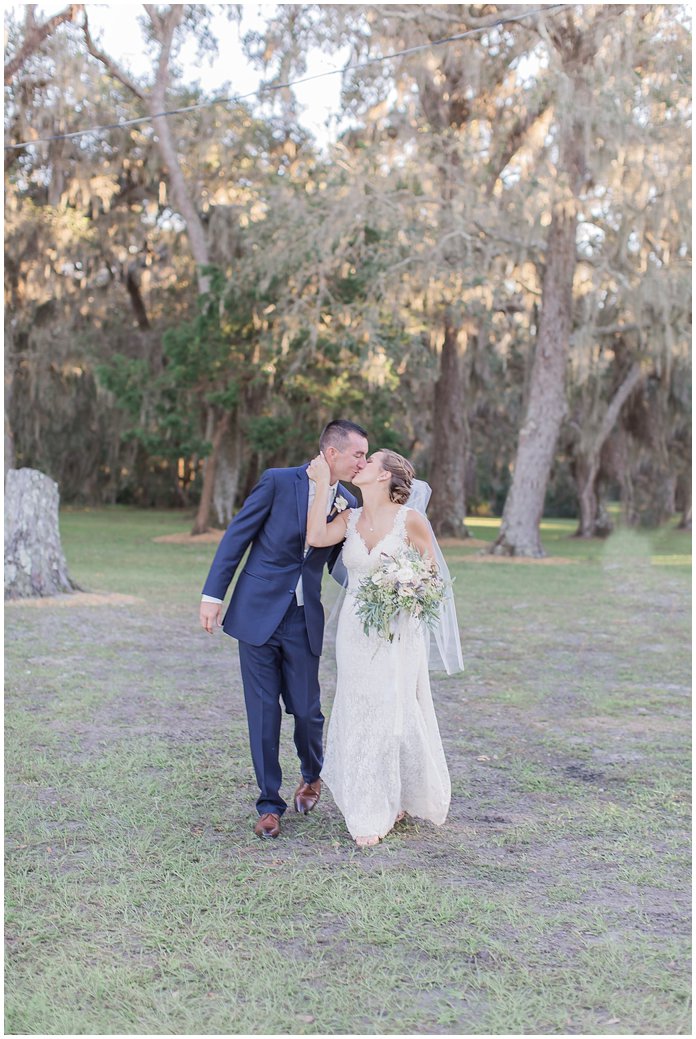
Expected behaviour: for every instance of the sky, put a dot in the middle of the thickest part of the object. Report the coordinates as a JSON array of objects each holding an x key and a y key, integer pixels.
[{"x": 116, "y": 28}]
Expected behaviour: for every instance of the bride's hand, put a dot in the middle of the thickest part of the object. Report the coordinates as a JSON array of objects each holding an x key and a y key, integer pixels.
[{"x": 318, "y": 468}]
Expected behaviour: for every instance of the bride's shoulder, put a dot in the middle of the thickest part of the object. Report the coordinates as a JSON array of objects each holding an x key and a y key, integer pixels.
[{"x": 415, "y": 521}]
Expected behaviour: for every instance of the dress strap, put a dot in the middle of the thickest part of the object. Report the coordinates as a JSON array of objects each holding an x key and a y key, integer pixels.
[
  {"x": 400, "y": 521},
  {"x": 352, "y": 520}
]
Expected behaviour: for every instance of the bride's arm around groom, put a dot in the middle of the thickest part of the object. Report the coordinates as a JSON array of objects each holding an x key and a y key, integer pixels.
[{"x": 320, "y": 533}]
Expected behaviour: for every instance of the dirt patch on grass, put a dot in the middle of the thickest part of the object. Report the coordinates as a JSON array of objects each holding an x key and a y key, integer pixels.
[
  {"x": 463, "y": 543},
  {"x": 211, "y": 537},
  {"x": 483, "y": 557},
  {"x": 77, "y": 599},
  {"x": 642, "y": 725},
  {"x": 545, "y": 561}
]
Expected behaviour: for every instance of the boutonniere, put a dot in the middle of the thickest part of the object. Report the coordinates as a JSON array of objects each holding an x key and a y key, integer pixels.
[{"x": 339, "y": 504}]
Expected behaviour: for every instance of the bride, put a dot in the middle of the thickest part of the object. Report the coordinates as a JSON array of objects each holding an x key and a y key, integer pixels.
[{"x": 384, "y": 756}]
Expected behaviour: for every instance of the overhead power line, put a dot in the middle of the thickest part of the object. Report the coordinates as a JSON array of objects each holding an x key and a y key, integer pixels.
[{"x": 236, "y": 98}]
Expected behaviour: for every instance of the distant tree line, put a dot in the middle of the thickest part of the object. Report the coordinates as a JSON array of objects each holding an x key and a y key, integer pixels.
[{"x": 490, "y": 269}]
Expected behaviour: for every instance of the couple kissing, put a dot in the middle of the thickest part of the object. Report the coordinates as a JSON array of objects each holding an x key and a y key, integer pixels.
[{"x": 384, "y": 755}]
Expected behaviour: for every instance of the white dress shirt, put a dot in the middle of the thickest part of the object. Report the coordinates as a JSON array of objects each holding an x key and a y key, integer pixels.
[{"x": 299, "y": 593}]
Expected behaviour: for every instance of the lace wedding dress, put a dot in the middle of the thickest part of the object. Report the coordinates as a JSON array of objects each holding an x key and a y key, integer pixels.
[{"x": 384, "y": 754}]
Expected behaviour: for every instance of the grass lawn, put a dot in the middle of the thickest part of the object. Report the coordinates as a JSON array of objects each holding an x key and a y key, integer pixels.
[{"x": 554, "y": 901}]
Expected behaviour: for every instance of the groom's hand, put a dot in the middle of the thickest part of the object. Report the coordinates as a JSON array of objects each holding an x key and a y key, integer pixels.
[{"x": 211, "y": 616}]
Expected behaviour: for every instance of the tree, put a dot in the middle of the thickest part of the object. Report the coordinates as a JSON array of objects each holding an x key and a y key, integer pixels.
[
  {"x": 399, "y": 278},
  {"x": 165, "y": 31},
  {"x": 88, "y": 244},
  {"x": 632, "y": 313},
  {"x": 587, "y": 456},
  {"x": 427, "y": 115},
  {"x": 98, "y": 211},
  {"x": 571, "y": 49},
  {"x": 34, "y": 35},
  {"x": 34, "y": 560},
  {"x": 166, "y": 26},
  {"x": 580, "y": 49},
  {"x": 490, "y": 141}
]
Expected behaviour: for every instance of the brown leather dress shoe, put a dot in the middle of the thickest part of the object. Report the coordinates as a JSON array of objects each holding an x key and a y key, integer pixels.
[
  {"x": 306, "y": 796},
  {"x": 268, "y": 825}
]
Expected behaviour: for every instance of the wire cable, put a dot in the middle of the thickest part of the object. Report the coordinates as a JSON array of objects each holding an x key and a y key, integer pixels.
[{"x": 236, "y": 98}]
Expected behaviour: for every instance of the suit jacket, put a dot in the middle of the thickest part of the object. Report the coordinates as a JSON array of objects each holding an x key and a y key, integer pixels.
[{"x": 273, "y": 520}]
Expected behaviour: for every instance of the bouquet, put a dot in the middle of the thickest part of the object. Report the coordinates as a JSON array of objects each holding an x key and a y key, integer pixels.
[{"x": 404, "y": 581}]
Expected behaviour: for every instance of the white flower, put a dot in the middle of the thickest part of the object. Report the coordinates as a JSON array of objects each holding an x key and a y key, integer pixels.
[
  {"x": 405, "y": 574},
  {"x": 340, "y": 503},
  {"x": 377, "y": 578}
]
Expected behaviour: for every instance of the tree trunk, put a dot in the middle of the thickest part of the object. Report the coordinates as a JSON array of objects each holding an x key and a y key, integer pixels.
[
  {"x": 685, "y": 499},
  {"x": 450, "y": 437},
  {"x": 595, "y": 521},
  {"x": 182, "y": 198},
  {"x": 524, "y": 506},
  {"x": 9, "y": 385},
  {"x": 572, "y": 53},
  {"x": 34, "y": 561},
  {"x": 202, "y": 522},
  {"x": 685, "y": 521},
  {"x": 593, "y": 518},
  {"x": 585, "y": 473},
  {"x": 136, "y": 297},
  {"x": 227, "y": 474},
  {"x": 164, "y": 25}
]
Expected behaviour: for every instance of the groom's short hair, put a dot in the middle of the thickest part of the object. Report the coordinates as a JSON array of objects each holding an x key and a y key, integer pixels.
[{"x": 337, "y": 432}]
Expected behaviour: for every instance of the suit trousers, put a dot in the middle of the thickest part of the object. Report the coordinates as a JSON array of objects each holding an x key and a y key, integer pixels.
[{"x": 284, "y": 668}]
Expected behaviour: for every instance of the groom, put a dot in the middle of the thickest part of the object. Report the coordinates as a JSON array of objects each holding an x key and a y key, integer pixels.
[{"x": 276, "y": 613}]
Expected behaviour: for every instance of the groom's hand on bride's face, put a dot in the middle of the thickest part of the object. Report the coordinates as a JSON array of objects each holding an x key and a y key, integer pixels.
[{"x": 211, "y": 616}]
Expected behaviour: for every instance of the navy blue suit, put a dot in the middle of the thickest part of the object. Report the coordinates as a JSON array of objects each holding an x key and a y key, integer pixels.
[{"x": 279, "y": 641}]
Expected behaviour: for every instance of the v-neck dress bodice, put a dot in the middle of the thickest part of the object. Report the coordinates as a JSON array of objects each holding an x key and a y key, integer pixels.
[{"x": 358, "y": 558}]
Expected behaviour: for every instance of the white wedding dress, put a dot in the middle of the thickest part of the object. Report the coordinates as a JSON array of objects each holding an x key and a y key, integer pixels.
[{"x": 384, "y": 754}]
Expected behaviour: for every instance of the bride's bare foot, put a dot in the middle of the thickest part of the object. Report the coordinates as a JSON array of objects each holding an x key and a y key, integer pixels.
[{"x": 366, "y": 842}]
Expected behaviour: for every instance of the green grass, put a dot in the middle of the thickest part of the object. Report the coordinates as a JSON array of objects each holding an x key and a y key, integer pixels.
[{"x": 555, "y": 900}]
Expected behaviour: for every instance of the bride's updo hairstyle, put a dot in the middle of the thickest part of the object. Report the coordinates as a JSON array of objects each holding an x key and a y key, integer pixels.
[{"x": 402, "y": 474}]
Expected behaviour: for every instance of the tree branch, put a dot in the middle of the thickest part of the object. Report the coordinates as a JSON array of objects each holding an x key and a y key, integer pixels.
[
  {"x": 507, "y": 15},
  {"x": 508, "y": 239},
  {"x": 515, "y": 138},
  {"x": 109, "y": 63},
  {"x": 164, "y": 28},
  {"x": 154, "y": 17},
  {"x": 618, "y": 328},
  {"x": 633, "y": 379},
  {"x": 36, "y": 34},
  {"x": 165, "y": 35}
]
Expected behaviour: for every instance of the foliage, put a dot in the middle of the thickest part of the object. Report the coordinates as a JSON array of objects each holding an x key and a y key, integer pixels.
[{"x": 334, "y": 274}]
